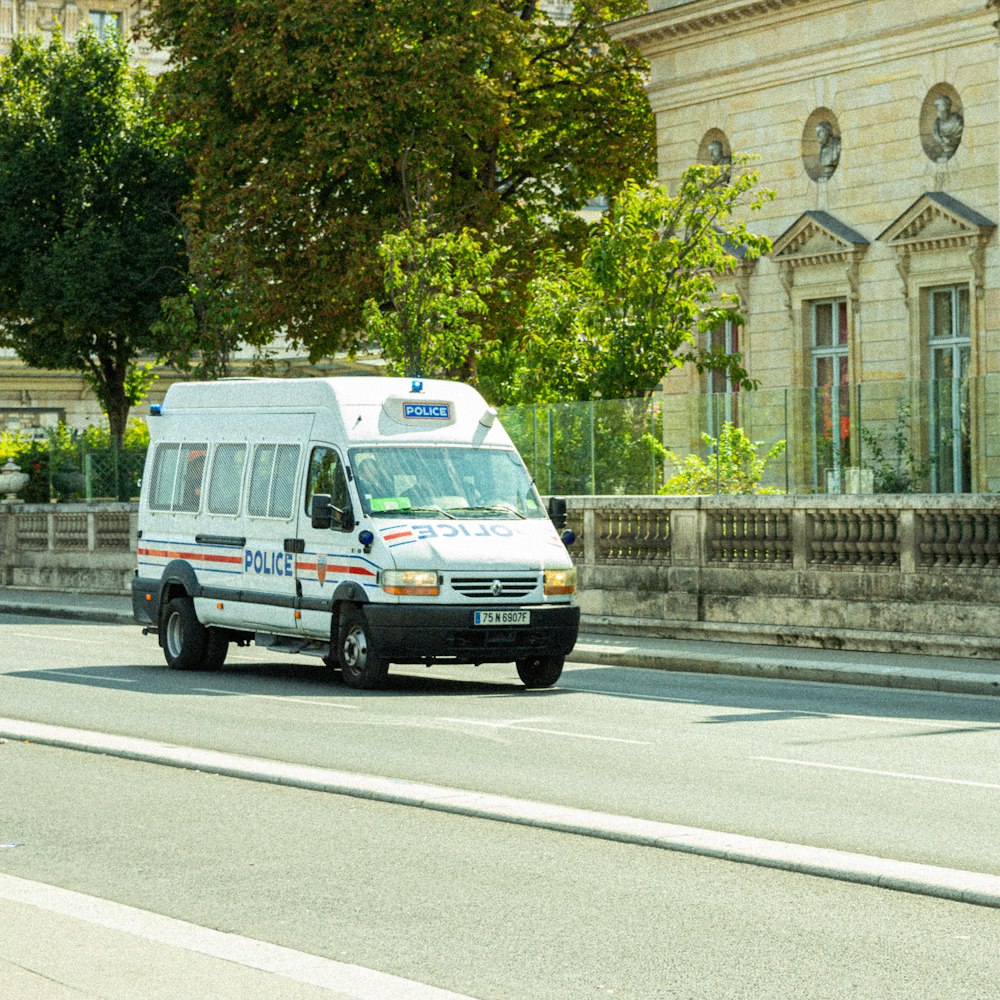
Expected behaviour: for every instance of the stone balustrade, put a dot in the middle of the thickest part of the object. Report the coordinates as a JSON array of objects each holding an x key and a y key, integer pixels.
[
  {"x": 84, "y": 548},
  {"x": 914, "y": 573}
]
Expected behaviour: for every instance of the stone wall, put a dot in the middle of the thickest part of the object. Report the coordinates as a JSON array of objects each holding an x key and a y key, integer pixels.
[
  {"x": 79, "y": 548},
  {"x": 915, "y": 574},
  {"x": 906, "y": 573}
]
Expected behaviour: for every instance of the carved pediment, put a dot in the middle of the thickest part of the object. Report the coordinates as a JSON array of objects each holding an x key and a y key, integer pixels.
[
  {"x": 817, "y": 238},
  {"x": 937, "y": 221},
  {"x": 681, "y": 19}
]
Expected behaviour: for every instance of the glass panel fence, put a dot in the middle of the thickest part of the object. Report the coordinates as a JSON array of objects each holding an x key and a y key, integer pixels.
[{"x": 940, "y": 435}]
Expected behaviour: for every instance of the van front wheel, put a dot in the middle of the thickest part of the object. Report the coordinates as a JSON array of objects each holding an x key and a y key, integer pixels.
[
  {"x": 540, "y": 671},
  {"x": 360, "y": 664}
]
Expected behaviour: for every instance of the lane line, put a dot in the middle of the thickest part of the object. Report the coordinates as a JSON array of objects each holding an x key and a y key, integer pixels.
[
  {"x": 80, "y": 673},
  {"x": 920, "y": 723},
  {"x": 277, "y": 697},
  {"x": 979, "y": 888},
  {"x": 623, "y": 694},
  {"x": 57, "y": 638},
  {"x": 881, "y": 774},
  {"x": 345, "y": 980},
  {"x": 535, "y": 729}
]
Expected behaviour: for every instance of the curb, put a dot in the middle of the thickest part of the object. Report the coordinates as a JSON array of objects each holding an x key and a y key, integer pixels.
[
  {"x": 107, "y": 616},
  {"x": 747, "y": 664},
  {"x": 928, "y": 880}
]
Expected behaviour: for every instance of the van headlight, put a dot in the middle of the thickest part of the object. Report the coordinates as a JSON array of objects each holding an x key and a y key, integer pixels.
[
  {"x": 560, "y": 581},
  {"x": 410, "y": 582}
]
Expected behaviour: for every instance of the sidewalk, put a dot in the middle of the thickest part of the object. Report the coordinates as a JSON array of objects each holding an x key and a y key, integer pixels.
[
  {"x": 956, "y": 675},
  {"x": 107, "y": 951}
]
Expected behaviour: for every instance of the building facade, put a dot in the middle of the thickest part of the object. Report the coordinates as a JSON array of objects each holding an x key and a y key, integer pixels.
[
  {"x": 873, "y": 325},
  {"x": 31, "y": 17}
]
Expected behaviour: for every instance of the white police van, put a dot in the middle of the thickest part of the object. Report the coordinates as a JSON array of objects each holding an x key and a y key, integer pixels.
[{"x": 366, "y": 520}]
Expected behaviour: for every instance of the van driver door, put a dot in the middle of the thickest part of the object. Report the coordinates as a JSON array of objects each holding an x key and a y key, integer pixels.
[{"x": 332, "y": 558}]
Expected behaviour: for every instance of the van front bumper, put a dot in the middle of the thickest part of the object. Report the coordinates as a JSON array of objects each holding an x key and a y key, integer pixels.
[{"x": 416, "y": 633}]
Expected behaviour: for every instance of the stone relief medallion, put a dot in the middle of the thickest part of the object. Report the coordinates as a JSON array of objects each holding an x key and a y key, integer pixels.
[
  {"x": 714, "y": 149},
  {"x": 942, "y": 123},
  {"x": 821, "y": 145}
]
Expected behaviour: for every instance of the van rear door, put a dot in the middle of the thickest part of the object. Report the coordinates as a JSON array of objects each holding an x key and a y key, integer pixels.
[{"x": 271, "y": 503}]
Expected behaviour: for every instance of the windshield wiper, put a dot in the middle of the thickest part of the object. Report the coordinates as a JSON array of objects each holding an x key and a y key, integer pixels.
[
  {"x": 505, "y": 507},
  {"x": 435, "y": 509}
]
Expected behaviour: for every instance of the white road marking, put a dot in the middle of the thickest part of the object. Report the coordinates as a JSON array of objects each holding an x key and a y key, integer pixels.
[
  {"x": 91, "y": 677},
  {"x": 276, "y": 697},
  {"x": 889, "y": 720},
  {"x": 57, "y": 638},
  {"x": 624, "y": 694},
  {"x": 906, "y": 876},
  {"x": 548, "y": 732},
  {"x": 345, "y": 980},
  {"x": 881, "y": 774}
]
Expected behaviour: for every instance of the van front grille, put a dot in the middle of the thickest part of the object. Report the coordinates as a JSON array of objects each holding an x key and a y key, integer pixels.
[{"x": 485, "y": 588}]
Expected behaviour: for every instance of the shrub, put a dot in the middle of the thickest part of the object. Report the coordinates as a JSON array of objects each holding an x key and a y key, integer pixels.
[{"x": 733, "y": 466}]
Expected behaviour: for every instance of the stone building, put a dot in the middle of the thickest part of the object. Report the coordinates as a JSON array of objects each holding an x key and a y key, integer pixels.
[
  {"x": 41, "y": 17},
  {"x": 873, "y": 325}
]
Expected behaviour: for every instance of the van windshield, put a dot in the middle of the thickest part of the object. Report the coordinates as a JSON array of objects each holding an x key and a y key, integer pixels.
[{"x": 449, "y": 481}]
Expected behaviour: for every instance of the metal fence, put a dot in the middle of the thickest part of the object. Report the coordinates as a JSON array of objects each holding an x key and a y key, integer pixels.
[
  {"x": 77, "y": 471},
  {"x": 875, "y": 437}
]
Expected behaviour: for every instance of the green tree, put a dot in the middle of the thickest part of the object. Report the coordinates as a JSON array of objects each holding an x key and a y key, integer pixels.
[
  {"x": 89, "y": 237},
  {"x": 431, "y": 320},
  {"x": 307, "y": 117},
  {"x": 613, "y": 325},
  {"x": 209, "y": 318}
]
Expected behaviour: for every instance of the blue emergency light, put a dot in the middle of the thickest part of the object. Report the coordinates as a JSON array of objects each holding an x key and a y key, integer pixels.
[
  {"x": 155, "y": 410},
  {"x": 417, "y": 385}
]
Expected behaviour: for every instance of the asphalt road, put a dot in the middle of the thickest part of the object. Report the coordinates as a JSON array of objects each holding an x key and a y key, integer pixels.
[
  {"x": 488, "y": 910},
  {"x": 902, "y": 775}
]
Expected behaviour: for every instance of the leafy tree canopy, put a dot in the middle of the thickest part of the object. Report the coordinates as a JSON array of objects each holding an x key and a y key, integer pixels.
[
  {"x": 632, "y": 309},
  {"x": 434, "y": 287},
  {"x": 89, "y": 238},
  {"x": 309, "y": 121}
]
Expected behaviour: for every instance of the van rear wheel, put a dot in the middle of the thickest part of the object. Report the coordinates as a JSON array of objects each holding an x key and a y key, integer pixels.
[
  {"x": 360, "y": 664},
  {"x": 540, "y": 671},
  {"x": 186, "y": 641}
]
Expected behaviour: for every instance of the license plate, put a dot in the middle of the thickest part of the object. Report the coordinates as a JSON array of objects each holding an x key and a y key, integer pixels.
[{"x": 501, "y": 617}]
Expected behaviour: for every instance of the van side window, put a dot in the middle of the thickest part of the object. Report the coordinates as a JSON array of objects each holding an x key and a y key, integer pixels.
[
  {"x": 226, "y": 478},
  {"x": 326, "y": 475},
  {"x": 178, "y": 471},
  {"x": 272, "y": 480}
]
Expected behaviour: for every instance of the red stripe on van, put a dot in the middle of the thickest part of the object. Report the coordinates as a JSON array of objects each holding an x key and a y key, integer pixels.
[
  {"x": 333, "y": 568},
  {"x": 194, "y": 556}
]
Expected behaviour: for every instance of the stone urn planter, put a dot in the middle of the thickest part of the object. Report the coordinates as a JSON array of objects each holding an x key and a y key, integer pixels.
[{"x": 12, "y": 480}]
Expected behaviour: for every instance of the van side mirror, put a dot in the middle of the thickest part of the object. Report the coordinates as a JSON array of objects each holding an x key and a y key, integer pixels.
[
  {"x": 557, "y": 511},
  {"x": 324, "y": 515},
  {"x": 321, "y": 511}
]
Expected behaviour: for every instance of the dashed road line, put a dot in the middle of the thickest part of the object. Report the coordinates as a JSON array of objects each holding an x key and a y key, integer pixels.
[{"x": 881, "y": 774}]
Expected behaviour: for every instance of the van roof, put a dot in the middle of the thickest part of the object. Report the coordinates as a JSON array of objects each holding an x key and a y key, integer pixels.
[
  {"x": 365, "y": 408},
  {"x": 347, "y": 390}
]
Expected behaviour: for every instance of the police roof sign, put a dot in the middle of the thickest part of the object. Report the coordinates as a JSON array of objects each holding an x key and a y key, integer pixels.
[
  {"x": 422, "y": 412},
  {"x": 427, "y": 411}
]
